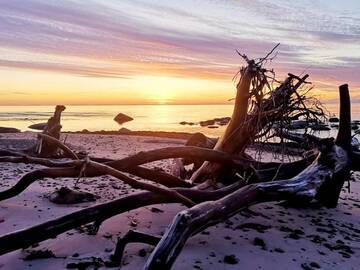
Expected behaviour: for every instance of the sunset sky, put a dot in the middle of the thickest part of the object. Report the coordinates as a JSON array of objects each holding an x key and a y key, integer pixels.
[{"x": 169, "y": 52}]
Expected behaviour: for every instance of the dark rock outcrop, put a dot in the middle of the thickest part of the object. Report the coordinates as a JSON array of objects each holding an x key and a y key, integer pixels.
[
  {"x": 122, "y": 118},
  {"x": 68, "y": 196},
  {"x": 9, "y": 130},
  {"x": 38, "y": 126}
]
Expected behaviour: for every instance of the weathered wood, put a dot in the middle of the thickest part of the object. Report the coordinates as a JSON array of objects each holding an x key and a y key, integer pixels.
[
  {"x": 325, "y": 170},
  {"x": 132, "y": 237},
  {"x": 102, "y": 168},
  {"x": 46, "y": 148},
  {"x": 275, "y": 171},
  {"x": 145, "y": 173},
  {"x": 121, "y": 165},
  {"x": 319, "y": 177},
  {"x": 56, "y": 143},
  {"x": 240, "y": 133},
  {"x": 306, "y": 141},
  {"x": 50, "y": 229},
  {"x": 344, "y": 134},
  {"x": 229, "y": 142},
  {"x": 330, "y": 192},
  {"x": 321, "y": 181}
]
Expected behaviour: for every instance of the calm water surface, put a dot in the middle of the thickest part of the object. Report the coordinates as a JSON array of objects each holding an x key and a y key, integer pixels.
[{"x": 146, "y": 117}]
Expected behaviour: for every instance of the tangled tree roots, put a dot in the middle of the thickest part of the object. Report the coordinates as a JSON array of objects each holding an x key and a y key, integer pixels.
[{"x": 239, "y": 181}]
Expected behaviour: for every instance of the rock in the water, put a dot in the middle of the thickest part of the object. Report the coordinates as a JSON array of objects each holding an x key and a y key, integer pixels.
[
  {"x": 9, "y": 130},
  {"x": 38, "y": 126},
  {"x": 124, "y": 130},
  {"x": 68, "y": 196},
  {"x": 207, "y": 123},
  {"x": 187, "y": 123},
  {"x": 122, "y": 118}
]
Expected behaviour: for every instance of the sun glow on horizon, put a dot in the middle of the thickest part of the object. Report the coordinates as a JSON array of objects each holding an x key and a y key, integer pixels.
[{"x": 142, "y": 52}]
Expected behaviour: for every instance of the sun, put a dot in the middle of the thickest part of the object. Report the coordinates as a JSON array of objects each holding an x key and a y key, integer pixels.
[{"x": 161, "y": 96}]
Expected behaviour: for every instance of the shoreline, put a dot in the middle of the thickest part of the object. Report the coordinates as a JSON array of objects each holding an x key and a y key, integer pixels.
[
  {"x": 146, "y": 133},
  {"x": 331, "y": 247},
  {"x": 284, "y": 231}
]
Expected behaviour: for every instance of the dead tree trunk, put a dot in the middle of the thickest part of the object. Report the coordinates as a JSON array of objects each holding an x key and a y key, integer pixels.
[
  {"x": 229, "y": 142},
  {"x": 243, "y": 127},
  {"x": 46, "y": 148},
  {"x": 321, "y": 181}
]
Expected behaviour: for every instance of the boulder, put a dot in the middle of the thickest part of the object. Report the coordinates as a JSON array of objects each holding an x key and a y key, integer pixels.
[
  {"x": 122, "y": 118},
  {"x": 68, "y": 196},
  {"x": 198, "y": 140},
  {"x": 186, "y": 123},
  {"x": 9, "y": 130},
  {"x": 207, "y": 123},
  {"x": 124, "y": 130},
  {"x": 38, "y": 126}
]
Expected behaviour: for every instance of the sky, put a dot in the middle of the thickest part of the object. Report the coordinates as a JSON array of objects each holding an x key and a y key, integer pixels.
[{"x": 169, "y": 52}]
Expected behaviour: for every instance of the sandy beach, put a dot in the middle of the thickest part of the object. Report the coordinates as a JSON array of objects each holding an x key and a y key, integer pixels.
[{"x": 266, "y": 236}]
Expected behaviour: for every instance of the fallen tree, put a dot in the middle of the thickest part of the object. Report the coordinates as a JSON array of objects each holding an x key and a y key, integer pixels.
[{"x": 228, "y": 181}]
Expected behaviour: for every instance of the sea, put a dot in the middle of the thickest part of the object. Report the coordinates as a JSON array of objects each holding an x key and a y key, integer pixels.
[{"x": 146, "y": 117}]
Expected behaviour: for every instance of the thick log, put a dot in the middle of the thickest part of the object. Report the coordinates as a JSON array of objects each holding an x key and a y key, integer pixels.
[
  {"x": 324, "y": 172},
  {"x": 240, "y": 133},
  {"x": 102, "y": 168},
  {"x": 330, "y": 192},
  {"x": 344, "y": 134},
  {"x": 274, "y": 171},
  {"x": 355, "y": 161},
  {"x": 50, "y": 229},
  {"x": 229, "y": 142}
]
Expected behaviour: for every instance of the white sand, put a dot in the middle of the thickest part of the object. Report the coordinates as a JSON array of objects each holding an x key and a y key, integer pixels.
[{"x": 204, "y": 251}]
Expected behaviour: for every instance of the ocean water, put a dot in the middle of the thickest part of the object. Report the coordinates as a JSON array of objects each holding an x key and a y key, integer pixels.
[
  {"x": 146, "y": 117},
  {"x": 94, "y": 118}
]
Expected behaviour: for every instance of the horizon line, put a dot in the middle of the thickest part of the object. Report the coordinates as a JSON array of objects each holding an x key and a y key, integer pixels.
[{"x": 147, "y": 104}]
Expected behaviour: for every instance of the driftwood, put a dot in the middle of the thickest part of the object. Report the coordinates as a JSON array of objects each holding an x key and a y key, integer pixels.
[
  {"x": 47, "y": 148},
  {"x": 52, "y": 228},
  {"x": 244, "y": 126},
  {"x": 321, "y": 181},
  {"x": 317, "y": 177}
]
